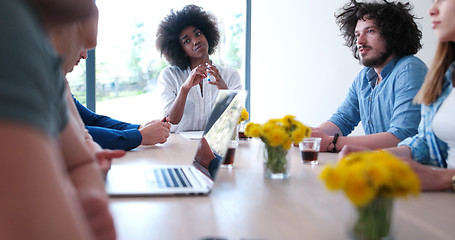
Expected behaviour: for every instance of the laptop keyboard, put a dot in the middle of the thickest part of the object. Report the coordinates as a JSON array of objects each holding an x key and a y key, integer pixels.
[{"x": 171, "y": 178}]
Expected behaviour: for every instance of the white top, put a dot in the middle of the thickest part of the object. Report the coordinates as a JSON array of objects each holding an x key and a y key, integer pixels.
[
  {"x": 444, "y": 126},
  {"x": 197, "y": 108}
]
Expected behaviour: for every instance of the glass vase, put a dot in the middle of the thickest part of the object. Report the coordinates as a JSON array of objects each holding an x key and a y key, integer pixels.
[
  {"x": 276, "y": 162},
  {"x": 373, "y": 221}
]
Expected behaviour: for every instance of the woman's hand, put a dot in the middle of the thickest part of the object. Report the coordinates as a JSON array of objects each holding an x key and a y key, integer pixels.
[
  {"x": 196, "y": 76},
  {"x": 217, "y": 79}
]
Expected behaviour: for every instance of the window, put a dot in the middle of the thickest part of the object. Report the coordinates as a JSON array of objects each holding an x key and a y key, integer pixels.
[{"x": 128, "y": 64}]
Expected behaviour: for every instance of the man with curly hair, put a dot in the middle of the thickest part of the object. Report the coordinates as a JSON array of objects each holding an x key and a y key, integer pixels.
[
  {"x": 383, "y": 37},
  {"x": 189, "y": 86}
]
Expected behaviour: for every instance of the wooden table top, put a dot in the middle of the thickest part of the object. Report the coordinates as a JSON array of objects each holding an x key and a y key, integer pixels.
[{"x": 245, "y": 205}]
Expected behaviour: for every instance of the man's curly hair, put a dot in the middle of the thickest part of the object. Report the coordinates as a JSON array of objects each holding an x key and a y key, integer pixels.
[
  {"x": 167, "y": 36},
  {"x": 395, "y": 23}
]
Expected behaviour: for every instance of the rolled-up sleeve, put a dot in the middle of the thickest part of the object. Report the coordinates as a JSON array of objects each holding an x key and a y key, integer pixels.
[
  {"x": 233, "y": 80},
  {"x": 405, "y": 117},
  {"x": 347, "y": 116},
  {"x": 115, "y": 139},
  {"x": 425, "y": 147},
  {"x": 419, "y": 148},
  {"x": 168, "y": 89}
]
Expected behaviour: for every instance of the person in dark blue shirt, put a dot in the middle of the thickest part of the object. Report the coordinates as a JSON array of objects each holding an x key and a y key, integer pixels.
[{"x": 114, "y": 134}]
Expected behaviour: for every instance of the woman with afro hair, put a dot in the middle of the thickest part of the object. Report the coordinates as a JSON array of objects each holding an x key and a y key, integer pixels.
[{"x": 189, "y": 86}]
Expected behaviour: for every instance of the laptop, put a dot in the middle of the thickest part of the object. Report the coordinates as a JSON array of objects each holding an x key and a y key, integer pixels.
[{"x": 197, "y": 178}]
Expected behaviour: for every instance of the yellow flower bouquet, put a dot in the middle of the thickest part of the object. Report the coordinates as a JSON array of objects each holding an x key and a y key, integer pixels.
[
  {"x": 244, "y": 115},
  {"x": 278, "y": 135},
  {"x": 371, "y": 180},
  {"x": 241, "y": 125}
]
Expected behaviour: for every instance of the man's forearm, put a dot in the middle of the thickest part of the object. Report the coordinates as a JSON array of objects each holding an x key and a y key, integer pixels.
[
  {"x": 372, "y": 141},
  {"x": 330, "y": 128}
]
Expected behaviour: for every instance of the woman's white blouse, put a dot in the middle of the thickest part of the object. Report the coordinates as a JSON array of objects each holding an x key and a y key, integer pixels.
[
  {"x": 198, "y": 106},
  {"x": 444, "y": 126}
]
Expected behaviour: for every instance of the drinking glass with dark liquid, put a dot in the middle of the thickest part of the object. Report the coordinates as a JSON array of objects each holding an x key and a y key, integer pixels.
[
  {"x": 309, "y": 149},
  {"x": 229, "y": 159},
  {"x": 241, "y": 131},
  {"x": 242, "y": 136}
]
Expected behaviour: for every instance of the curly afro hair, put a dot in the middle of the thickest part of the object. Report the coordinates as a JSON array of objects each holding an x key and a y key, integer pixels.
[
  {"x": 395, "y": 23},
  {"x": 167, "y": 36}
]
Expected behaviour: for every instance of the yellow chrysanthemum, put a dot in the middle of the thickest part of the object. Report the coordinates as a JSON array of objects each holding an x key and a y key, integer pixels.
[
  {"x": 287, "y": 121},
  {"x": 364, "y": 176},
  {"x": 287, "y": 144},
  {"x": 333, "y": 178},
  {"x": 252, "y": 129},
  {"x": 357, "y": 186},
  {"x": 377, "y": 174},
  {"x": 244, "y": 115},
  {"x": 307, "y": 131},
  {"x": 274, "y": 121},
  {"x": 358, "y": 191},
  {"x": 300, "y": 133},
  {"x": 266, "y": 128},
  {"x": 276, "y": 137},
  {"x": 279, "y": 132},
  {"x": 297, "y": 136}
]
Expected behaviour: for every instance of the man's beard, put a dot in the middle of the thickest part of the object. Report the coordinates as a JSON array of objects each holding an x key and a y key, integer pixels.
[{"x": 376, "y": 61}]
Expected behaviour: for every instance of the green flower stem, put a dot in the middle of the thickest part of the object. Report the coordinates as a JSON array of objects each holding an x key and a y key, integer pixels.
[
  {"x": 374, "y": 220},
  {"x": 276, "y": 159}
]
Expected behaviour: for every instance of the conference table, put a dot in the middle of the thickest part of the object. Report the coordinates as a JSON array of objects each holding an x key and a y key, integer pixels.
[{"x": 245, "y": 205}]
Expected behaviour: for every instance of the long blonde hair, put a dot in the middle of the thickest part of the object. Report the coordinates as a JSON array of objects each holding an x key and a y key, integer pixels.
[{"x": 434, "y": 81}]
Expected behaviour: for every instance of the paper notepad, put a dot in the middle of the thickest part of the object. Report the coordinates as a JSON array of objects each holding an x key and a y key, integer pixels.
[{"x": 192, "y": 135}]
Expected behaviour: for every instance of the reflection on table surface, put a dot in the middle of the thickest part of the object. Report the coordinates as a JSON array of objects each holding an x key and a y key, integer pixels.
[{"x": 244, "y": 205}]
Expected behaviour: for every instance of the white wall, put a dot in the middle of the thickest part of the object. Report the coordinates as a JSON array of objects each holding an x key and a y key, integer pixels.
[{"x": 299, "y": 64}]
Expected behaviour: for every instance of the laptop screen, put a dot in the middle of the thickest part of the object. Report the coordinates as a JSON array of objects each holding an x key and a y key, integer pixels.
[{"x": 218, "y": 132}]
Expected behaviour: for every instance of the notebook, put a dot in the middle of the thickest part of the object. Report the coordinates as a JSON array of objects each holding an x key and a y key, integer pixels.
[{"x": 197, "y": 178}]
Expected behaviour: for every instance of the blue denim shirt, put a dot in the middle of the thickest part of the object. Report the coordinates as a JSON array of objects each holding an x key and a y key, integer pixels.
[
  {"x": 388, "y": 106},
  {"x": 425, "y": 147}
]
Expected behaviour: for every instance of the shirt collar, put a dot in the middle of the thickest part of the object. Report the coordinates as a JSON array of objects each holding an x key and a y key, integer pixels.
[
  {"x": 449, "y": 74},
  {"x": 451, "y": 69},
  {"x": 372, "y": 76}
]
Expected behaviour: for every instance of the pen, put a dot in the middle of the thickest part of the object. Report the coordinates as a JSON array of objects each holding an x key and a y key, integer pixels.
[
  {"x": 208, "y": 73},
  {"x": 165, "y": 119}
]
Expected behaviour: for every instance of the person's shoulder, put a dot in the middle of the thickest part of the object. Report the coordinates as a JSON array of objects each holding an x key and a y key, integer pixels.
[
  {"x": 410, "y": 67},
  {"x": 224, "y": 68},
  {"x": 228, "y": 73},
  {"x": 173, "y": 72},
  {"x": 411, "y": 60},
  {"x": 171, "y": 69}
]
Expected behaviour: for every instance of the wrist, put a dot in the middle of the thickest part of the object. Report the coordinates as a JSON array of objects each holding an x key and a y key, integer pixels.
[
  {"x": 333, "y": 147},
  {"x": 442, "y": 179},
  {"x": 222, "y": 85},
  {"x": 452, "y": 181},
  {"x": 185, "y": 88}
]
